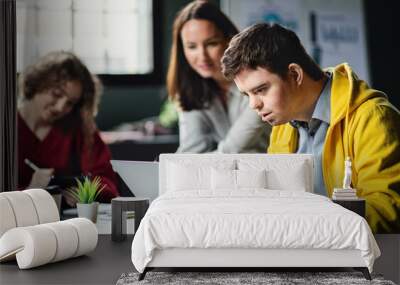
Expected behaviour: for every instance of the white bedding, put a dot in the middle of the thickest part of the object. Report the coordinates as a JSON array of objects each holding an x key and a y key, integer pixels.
[{"x": 252, "y": 218}]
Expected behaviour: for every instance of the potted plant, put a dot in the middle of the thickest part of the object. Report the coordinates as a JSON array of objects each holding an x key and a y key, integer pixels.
[{"x": 85, "y": 194}]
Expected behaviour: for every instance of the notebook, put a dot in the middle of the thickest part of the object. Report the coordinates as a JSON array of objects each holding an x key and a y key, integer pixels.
[{"x": 140, "y": 176}]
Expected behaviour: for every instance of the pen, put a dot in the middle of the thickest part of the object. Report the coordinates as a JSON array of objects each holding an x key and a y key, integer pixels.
[{"x": 31, "y": 164}]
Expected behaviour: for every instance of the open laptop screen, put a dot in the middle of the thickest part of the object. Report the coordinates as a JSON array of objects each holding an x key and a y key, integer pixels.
[{"x": 140, "y": 176}]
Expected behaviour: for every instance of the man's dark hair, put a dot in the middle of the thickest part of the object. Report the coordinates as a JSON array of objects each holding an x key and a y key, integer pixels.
[{"x": 270, "y": 46}]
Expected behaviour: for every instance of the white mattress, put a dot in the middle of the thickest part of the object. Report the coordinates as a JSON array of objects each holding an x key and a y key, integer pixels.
[{"x": 253, "y": 218}]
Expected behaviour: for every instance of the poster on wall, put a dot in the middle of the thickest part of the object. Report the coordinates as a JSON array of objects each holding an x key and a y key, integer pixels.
[{"x": 332, "y": 32}]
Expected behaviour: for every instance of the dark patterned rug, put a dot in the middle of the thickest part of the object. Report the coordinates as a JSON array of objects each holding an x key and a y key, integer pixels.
[{"x": 243, "y": 278}]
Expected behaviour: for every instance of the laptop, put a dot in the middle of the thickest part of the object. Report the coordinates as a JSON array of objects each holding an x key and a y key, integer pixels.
[{"x": 140, "y": 176}]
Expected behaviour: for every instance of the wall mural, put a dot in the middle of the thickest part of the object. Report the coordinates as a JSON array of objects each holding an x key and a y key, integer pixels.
[{"x": 332, "y": 32}]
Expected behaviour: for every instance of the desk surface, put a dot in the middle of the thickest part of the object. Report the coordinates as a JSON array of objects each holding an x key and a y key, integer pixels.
[{"x": 102, "y": 266}]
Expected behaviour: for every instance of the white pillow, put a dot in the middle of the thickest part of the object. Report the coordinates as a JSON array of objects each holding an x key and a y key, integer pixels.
[
  {"x": 183, "y": 178},
  {"x": 185, "y": 175},
  {"x": 237, "y": 179},
  {"x": 251, "y": 178},
  {"x": 223, "y": 179},
  {"x": 296, "y": 179},
  {"x": 282, "y": 174}
]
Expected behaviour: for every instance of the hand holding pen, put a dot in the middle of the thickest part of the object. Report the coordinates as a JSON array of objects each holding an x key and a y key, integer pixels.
[{"x": 41, "y": 176}]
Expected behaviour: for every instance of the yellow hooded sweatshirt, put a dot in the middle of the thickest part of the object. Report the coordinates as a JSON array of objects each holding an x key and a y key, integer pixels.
[{"x": 365, "y": 127}]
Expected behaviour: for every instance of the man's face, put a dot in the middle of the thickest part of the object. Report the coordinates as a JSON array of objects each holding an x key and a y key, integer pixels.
[{"x": 269, "y": 95}]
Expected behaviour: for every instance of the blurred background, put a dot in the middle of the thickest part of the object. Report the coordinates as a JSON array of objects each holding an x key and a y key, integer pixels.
[{"x": 127, "y": 43}]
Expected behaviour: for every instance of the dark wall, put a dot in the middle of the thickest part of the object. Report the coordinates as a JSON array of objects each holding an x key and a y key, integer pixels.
[{"x": 382, "y": 47}]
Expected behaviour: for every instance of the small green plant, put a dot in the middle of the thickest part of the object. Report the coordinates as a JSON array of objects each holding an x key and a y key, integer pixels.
[{"x": 87, "y": 191}]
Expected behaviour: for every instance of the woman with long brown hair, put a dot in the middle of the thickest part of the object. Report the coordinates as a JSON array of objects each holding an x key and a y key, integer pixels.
[
  {"x": 213, "y": 116},
  {"x": 57, "y": 134}
]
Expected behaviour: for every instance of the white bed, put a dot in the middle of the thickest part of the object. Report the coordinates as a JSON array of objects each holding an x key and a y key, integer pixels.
[{"x": 218, "y": 210}]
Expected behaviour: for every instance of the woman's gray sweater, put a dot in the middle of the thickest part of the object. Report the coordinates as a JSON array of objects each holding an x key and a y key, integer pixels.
[{"x": 237, "y": 130}]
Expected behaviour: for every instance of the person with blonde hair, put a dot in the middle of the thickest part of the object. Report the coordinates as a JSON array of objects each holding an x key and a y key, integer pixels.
[{"x": 57, "y": 133}]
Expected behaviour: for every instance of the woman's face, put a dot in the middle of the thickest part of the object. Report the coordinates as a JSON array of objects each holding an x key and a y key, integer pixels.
[
  {"x": 56, "y": 102},
  {"x": 203, "y": 46}
]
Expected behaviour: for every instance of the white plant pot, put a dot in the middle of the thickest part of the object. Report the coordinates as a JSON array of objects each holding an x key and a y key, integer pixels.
[{"x": 88, "y": 211}]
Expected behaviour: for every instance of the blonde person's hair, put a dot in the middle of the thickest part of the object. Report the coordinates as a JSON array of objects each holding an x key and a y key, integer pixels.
[{"x": 53, "y": 70}]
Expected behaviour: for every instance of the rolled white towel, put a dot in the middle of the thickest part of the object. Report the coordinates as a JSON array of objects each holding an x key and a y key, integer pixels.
[
  {"x": 45, "y": 205},
  {"x": 87, "y": 235},
  {"x": 7, "y": 218},
  {"x": 40, "y": 244},
  {"x": 67, "y": 240},
  {"x": 26, "y": 208},
  {"x": 22, "y": 207},
  {"x": 32, "y": 246}
]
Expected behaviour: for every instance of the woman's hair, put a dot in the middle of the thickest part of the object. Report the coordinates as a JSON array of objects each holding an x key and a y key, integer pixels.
[
  {"x": 184, "y": 84},
  {"x": 52, "y": 71}
]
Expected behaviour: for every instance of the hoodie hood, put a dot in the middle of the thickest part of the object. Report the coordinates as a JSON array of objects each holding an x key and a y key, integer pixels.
[
  {"x": 364, "y": 126},
  {"x": 348, "y": 92}
]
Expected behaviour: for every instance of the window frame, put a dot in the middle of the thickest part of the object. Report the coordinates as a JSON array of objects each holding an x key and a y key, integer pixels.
[{"x": 153, "y": 78}]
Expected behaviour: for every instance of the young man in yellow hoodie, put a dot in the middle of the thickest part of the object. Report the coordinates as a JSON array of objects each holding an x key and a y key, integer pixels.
[{"x": 329, "y": 113}]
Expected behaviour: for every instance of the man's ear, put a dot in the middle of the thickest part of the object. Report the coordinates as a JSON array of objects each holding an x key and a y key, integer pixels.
[{"x": 296, "y": 73}]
